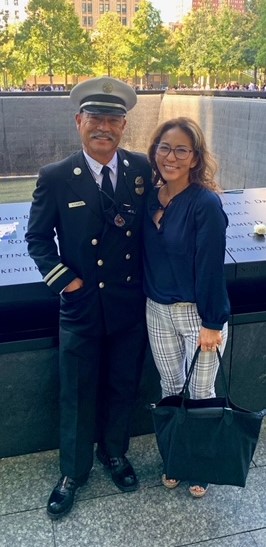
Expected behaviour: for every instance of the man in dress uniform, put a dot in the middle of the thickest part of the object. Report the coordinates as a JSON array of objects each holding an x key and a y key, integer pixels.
[{"x": 93, "y": 202}]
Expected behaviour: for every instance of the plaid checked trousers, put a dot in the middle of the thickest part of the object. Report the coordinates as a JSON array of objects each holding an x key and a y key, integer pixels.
[{"x": 173, "y": 333}]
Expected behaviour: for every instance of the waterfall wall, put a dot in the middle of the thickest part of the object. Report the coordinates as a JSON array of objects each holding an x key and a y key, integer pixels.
[
  {"x": 235, "y": 131},
  {"x": 36, "y": 130}
]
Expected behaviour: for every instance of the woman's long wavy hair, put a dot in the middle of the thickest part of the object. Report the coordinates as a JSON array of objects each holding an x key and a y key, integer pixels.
[{"x": 204, "y": 171}]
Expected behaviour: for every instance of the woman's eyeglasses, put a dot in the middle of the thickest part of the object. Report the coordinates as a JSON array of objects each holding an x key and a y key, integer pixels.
[{"x": 180, "y": 152}]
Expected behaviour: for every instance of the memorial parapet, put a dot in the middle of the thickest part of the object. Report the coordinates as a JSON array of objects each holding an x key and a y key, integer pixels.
[
  {"x": 246, "y": 209},
  {"x": 30, "y": 309}
]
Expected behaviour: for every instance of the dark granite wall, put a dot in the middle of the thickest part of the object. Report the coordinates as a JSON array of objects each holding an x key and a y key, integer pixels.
[
  {"x": 29, "y": 402},
  {"x": 38, "y": 130},
  {"x": 29, "y": 386}
]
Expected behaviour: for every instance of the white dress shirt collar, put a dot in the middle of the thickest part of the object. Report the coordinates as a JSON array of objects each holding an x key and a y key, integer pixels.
[{"x": 96, "y": 167}]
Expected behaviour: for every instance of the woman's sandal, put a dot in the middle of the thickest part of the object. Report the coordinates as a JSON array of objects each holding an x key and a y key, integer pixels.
[
  {"x": 169, "y": 483},
  {"x": 198, "y": 490}
]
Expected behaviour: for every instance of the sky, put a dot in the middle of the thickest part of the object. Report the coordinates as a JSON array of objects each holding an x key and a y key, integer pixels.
[{"x": 168, "y": 9}]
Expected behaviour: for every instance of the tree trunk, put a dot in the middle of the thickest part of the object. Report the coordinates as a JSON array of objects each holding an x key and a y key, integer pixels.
[
  {"x": 191, "y": 76},
  {"x": 255, "y": 74},
  {"x": 147, "y": 79}
]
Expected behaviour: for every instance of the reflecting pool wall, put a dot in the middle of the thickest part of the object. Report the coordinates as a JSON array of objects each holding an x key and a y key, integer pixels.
[{"x": 37, "y": 130}]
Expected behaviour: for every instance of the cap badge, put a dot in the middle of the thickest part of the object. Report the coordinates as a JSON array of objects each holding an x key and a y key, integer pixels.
[
  {"x": 139, "y": 190},
  {"x": 139, "y": 181},
  {"x": 77, "y": 171},
  {"x": 107, "y": 88}
]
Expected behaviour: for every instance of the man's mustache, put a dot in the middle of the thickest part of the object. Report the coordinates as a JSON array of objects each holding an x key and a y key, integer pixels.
[{"x": 99, "y": 134}]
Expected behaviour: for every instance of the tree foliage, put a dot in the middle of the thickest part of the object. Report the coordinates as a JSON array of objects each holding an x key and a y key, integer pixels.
[
  {"x": 52, "y": 40},
  {"x": 146, "y": 40},
  {"x": 260, "y": 21},
  {"x": 109, "y": 46},
  {"x": 212, "y": 41},
  {"x": 7, "y": 37}
]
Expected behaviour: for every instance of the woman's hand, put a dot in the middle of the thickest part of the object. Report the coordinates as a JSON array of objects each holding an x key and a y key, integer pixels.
[{"x": 209, "y": 339}]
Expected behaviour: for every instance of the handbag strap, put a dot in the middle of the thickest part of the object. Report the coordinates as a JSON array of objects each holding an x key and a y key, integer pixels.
[{"x": 185, "y": 389}]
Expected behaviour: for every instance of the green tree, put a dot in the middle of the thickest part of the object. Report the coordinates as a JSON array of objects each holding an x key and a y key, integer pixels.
[
  {"x": 7, "y": 34},
  {"x": 109, "y": 46},
  {"x": 147, "y": 39},
  {"x": 75, "y": 51},
  {"x": 168, "y": 59},
  {"x": 52, "y": 39},
  {"x": 228, "y": 38},
  {"x": 260, "y": 18},
  {"x": 196, "y": 53},
  {"x": 212, "y": 42}
]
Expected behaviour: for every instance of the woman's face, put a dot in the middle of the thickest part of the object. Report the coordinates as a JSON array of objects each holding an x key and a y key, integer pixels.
[{"x": 175, "y": 156}]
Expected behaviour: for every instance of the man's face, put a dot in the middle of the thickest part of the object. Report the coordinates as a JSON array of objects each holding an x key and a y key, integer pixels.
[{"x": 100, "y": 134}]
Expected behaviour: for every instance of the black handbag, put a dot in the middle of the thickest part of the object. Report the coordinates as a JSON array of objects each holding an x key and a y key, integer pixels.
[{"x": 206, "y": 440}]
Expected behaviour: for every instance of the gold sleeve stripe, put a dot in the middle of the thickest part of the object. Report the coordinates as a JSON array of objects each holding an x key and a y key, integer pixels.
[
  {"x": 53, "y": 271},
  {"x": 55, "y": 277}
]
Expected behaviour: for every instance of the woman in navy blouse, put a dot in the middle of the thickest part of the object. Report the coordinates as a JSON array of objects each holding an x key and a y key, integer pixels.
[{"x": 184, "y": 241}]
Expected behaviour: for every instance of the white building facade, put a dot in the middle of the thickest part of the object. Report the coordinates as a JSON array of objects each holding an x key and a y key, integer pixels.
[{"x": 12, "y": 11}]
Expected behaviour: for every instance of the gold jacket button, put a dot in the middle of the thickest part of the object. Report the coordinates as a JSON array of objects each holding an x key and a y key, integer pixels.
[
  {"x": 128, "y": 256},
  {"x": 94, "y": 241},
  {"x": 101, "y": 285},
  {"x": 129, "y": 278},
  {"x": 128, "y": 233},
  {"x": 100, "y": 262}
]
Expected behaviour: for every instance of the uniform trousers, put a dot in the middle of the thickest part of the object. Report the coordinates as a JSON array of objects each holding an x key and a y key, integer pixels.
[
  {"x": 173, "y": 333},
  {"x": 99, "y": 377}
]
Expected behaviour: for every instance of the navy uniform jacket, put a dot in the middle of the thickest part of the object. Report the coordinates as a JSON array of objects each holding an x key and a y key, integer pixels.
[{"x": 67, "y": 203}]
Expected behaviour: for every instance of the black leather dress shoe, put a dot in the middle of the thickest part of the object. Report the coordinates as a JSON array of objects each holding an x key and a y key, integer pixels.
[
  {"x": 62, "y": 496},
  {"x": 122, "y": 472}
]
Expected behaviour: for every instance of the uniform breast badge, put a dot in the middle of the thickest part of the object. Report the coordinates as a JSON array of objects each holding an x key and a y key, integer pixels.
[
  {"x": 139, "y": 185},
  {"x": 119, "y": 221}
]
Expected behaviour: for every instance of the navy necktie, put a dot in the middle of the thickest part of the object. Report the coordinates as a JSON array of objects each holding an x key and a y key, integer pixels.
[{"x": 107, "y": 187}]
